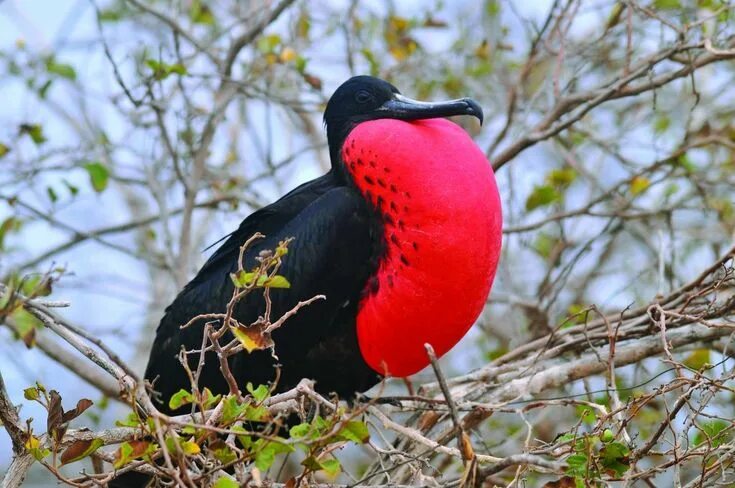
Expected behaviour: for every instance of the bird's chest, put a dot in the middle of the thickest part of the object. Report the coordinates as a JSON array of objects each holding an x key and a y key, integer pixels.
[{"x": 436, "y": 195}]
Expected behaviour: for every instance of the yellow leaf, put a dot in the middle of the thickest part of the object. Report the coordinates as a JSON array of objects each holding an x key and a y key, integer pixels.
[
  {"x": 288, "y": 54},
  {"x": 698, "y": 359},
  {"x": 33, "y": 443},
  {"x": 252, "y": 338},
  {"x": 190, "y": 448},
  {"x": 639, "y": 184}
]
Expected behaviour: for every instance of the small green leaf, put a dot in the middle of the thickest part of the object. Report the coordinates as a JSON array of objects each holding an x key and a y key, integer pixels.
[
  {"x": 52, "y": 194},
  {"x": 355, "y": 431},
  {"x": 667, "y": 4},
  {"x": 31, "y": 393},
  {"x": 162, "y": 70},
  {"x": 266, "y": 451},
  {"x": 131, "y": 450},
  {"x": 276, "y": 281},
  {"x": 9, "y": 225},
  {"x": 226, "y": 482},
  {"x": 712, "y": 430},
  {"x": 99, "y": 175},
  {"x": 300, "y": 430},
  {"x": 33, "y": 445},
  {"x": 60, "y": 69},
  {"x": 242, "y": 279},
  {"x": 661, "y": 124},
  {"x": 698, "y": 359},
  {"x": 614, "y": 457},
  {"x": 26, "y": 325},
  {"x": 577, "y": 465},
  {"x": 34, "y": 131},
  {"x": 260, "y": 393},
  {"x": 4, "y": 149},
  {"x": 232, "y": 409},
  {"x": 73, "y": 189},
  {"x": 331, "y": 467},
  {"x": 209, "y": 399},
  {"x": 541, "y": 196},
  {"x": 561, "y": 178},
  {"x": 200, "y": 13},
  {"x": 268, "y": 44},
  {"x": 131, "y": 420},
  {"x": 179, "y": 399}
]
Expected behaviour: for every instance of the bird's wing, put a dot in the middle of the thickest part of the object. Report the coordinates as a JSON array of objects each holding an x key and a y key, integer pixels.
[{"x": 331, "y": 254}]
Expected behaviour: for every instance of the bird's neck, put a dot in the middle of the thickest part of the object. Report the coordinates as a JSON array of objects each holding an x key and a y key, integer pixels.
[{"x": 435, "y": 193}]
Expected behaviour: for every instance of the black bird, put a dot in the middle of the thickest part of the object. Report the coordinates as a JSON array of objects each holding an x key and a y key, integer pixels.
[{"x": 402, "y": 236}]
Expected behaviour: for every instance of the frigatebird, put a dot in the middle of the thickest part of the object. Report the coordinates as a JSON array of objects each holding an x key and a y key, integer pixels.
[{"x": 402, "y": 236}]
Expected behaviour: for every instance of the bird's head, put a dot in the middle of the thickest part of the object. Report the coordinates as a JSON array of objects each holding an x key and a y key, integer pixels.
[{"x": 363, "y": 98}]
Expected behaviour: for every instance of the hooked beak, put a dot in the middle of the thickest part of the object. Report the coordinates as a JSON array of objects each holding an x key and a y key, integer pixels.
[{"x": 404, "y": 108}]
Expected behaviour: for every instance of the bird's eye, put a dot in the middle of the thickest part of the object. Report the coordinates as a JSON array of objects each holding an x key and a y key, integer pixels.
[{"x": 363, "y": 96}]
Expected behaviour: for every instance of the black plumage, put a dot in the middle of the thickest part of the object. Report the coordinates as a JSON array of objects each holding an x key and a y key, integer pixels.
[
  {"x": 334, "y": 250},
  {"x": 338, "y": 241}
]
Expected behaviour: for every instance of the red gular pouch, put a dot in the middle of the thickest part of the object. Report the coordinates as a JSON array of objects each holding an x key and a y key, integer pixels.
[{"x": 439, "y": 202}]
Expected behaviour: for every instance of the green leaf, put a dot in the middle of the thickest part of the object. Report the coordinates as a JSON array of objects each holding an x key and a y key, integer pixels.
[
  {"x": 9, "y": 225},
  {"x": 232, "y": 409},
  {"x": 4, "y": 149},
  {"x": 541, "y": 196},
  {"x": 614, "y": 457},
  {"x": 73, "y": 189},
  {"x": 268, "y": 44},
  {"x": 52, "y": 194},
  {"x": 226, "y": 482},
  {"x": 260, "y": 393},
  {"x": 36, "y": 285},
  {"x": 209, "y": 399},
  {"x": 31, "y": 393},
  {"x": 243, "y": 279},
  {"x": 698, "y": 359},
  {"x": 60, "y": 69},
  {"x": 561, "y": 178},
  {"x": 162, "y": 70},
  {"x": 492, "y": 8},
  {"x": 34, "y": 131},
  {"x": 222, "y": 452},
  {"x": 131, "y": 450},
  {"x": 577, "y": 465},
  {"x": 131, "y": 420},
  {"x": 685, "y": 162},
  {"x": 712, "y": 430},
  {"x": 26, "y": 325},
  {"x": 179, "y": 399},
  {"x": 111, "y": 14},
  {"x": 266, "y": 451},
  {"x": 33, "y": 445},
  {"x": 667, "y": 4},
  {"x": 355, "y": 431},
  {"x": 299, "y": 431},
  {"x": 661, "y": 124},
  {"x": 80, "y": 449},
  {"x": 331, "y": 467},
  {"x": 200, "y": 13},
  {"x": 276, "y": 281},
  {"x": 99, "y": 175}
]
